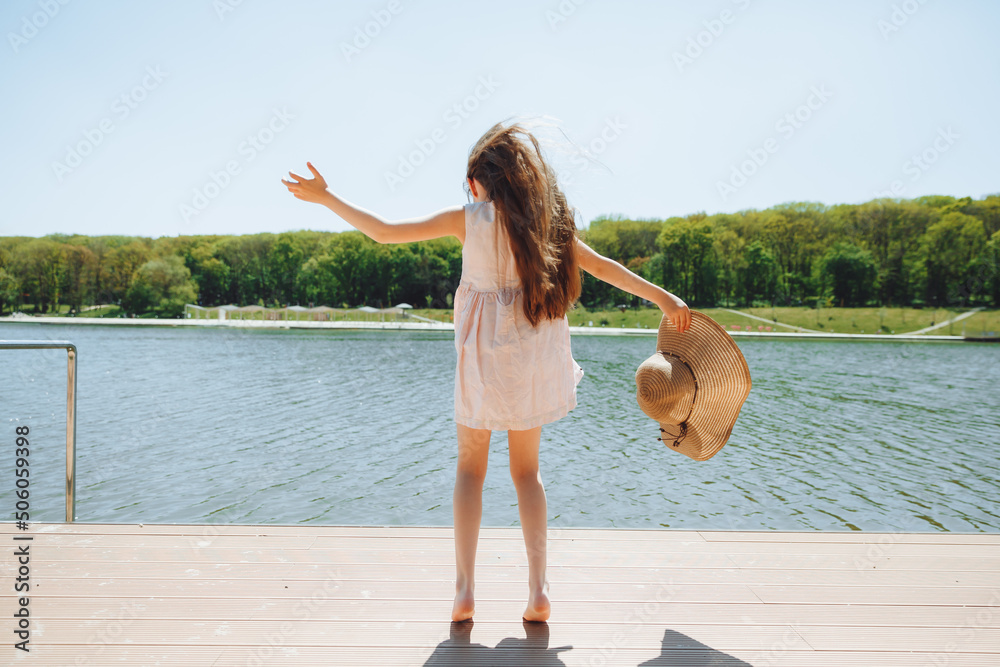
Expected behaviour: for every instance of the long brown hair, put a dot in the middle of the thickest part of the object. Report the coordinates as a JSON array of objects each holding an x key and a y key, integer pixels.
[{"x": 533, "y": 211}]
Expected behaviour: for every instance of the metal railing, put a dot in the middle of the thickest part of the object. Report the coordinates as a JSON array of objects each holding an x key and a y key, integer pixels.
[{"x": 70, "y": 409}]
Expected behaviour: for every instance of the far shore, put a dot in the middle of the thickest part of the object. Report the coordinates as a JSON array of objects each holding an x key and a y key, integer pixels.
[{"x": 447, "y": 327}]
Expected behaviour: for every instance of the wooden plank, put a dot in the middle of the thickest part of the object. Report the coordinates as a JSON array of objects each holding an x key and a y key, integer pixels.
[
  {"x": 695, "y": 547},
  {"x": 357, "y": 543},
  {"x": 492, "y": 556},
  {"x": 140, "y": 569},
  {"x": 569, "y": 545},
  {"x": 511, "y": 654},
  {"x": 387, "y": 590},
  {"x": 966, "y": 639},
  {"x": 857, "y": 563},
  {"x": 360, "y": 634},
  {"x": 168, "y": 541},
  {"x": 393, "y": 532},
  {"x": 308, "y": 632},
  {"x": 84, "y": 528},
  {"x": 849, "y": 537},
  {"x": 113, "y": 653},
  {"x": 891, "y": 595},
  {"x": 555, "y": 532},
  {"x": 389, "y": 557},
  {"x": 332, "y": 608}
]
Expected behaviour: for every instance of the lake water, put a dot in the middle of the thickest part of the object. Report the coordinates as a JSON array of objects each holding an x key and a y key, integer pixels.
[{"x": 197, "y": 425}]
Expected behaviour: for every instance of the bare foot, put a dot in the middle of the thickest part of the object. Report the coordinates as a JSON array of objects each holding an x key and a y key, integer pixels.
[
  {"x": 464, "y": 607},
  {"x": 539, "y": 606}
]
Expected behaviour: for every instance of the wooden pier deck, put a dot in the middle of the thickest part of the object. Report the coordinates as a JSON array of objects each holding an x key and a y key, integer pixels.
[{"x": 222, "y": 596}]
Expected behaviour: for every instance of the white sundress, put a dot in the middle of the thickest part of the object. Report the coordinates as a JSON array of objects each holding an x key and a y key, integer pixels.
[{"x": 510, "y": 375}]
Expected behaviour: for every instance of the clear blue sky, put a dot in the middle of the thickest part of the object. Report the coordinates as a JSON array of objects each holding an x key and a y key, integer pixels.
[{"x": 161, "y": 95}]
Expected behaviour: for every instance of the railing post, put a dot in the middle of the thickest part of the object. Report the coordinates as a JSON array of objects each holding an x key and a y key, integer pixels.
[
  {"x": 71, "y": 434},
  {"x": 70, "y": 409}
]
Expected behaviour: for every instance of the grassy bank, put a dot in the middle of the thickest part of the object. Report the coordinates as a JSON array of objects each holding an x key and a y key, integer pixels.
[
  {"x": 830, "y": 320},
  {"x": 890, "y": 320}
]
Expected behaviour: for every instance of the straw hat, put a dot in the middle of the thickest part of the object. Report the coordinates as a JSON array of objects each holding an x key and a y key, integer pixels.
[{"x": 694, "y": 386}]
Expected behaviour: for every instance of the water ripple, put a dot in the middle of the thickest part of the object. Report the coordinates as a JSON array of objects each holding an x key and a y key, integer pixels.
[{"x": 192, "y": 425}]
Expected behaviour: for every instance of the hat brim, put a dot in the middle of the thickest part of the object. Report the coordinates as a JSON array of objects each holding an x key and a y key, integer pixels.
[{"x": 722, "y": 377}]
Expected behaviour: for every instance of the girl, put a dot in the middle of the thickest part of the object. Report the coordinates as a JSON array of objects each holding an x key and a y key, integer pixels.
[{"x": 520, "y": 274}]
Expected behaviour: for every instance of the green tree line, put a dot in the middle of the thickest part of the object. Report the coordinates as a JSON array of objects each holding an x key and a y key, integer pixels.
[{"x": 935, "y": 250}]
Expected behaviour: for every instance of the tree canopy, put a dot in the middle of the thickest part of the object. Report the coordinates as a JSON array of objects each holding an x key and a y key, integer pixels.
[{"x": 937, "y": 250}]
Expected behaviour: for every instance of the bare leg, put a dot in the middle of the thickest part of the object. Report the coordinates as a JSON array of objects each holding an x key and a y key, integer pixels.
[
  {"x": 531, "y": 506},
  {"x": 467, "y": 509}
]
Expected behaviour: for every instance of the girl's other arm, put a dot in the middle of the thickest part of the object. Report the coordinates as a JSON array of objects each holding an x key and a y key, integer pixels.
[
  {"x": 615, "y": 274},
  {"x": 446, "y": 222}
]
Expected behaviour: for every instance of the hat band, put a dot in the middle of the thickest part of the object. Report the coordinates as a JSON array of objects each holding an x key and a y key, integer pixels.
[
  {"x": 683, "y": 425},
  {"x": 676, "y": 439}
]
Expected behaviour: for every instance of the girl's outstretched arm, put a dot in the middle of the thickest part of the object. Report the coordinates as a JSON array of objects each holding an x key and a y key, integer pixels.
[
  {"x": 446, "y": 222},
  {"x": 614, "y": 273}
]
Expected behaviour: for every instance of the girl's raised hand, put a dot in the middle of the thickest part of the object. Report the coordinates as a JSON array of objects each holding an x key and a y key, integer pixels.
[
  {"x": 307, "y": 189},
  {"x": 677, "y": 312}
]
